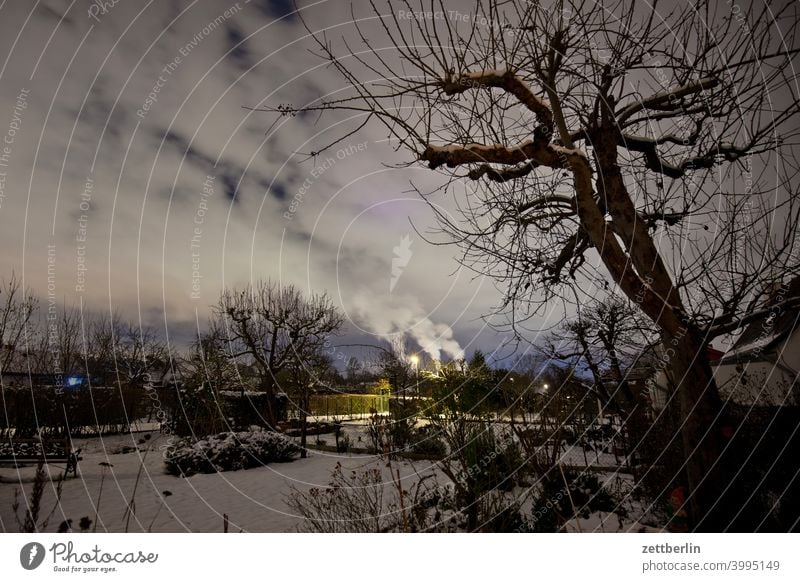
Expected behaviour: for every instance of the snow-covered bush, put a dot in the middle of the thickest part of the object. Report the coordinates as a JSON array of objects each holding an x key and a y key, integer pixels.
[
  {"x": 361, "y": 501},
  {"x": 426, "y": 442},
  {"x": 556, "y": 505},
  {"x": 228, "y": 451}
]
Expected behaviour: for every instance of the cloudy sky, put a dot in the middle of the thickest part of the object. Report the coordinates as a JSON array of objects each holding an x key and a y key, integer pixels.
[{"x": 134, "y": 166}]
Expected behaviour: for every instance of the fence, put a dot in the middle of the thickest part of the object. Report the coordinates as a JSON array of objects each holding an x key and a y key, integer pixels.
[{"x": 345, "y": 405}]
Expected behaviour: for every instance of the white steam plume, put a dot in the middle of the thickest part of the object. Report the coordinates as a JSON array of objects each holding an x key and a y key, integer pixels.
[{"x": 396, "y": 318}]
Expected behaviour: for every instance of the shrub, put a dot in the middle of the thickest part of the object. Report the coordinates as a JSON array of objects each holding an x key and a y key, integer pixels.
[
  {"x": 402, "y": 421},
  {"x": 228, "y": 451},
  {"x": 426, "y": 442},
  {"x": 361, "y": 501},
  {"x": 554, "y": 505},
  {"x": 478, "y": 462},
  {"x": 353, "y": 505},
  {"x": 343, "y": 443},
  {"x": 43, "y": 410},
  {"x": 199, "y": 411}
]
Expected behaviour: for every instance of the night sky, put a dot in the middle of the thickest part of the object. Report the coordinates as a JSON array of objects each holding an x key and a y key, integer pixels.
[{"x": 135, "y": 167}]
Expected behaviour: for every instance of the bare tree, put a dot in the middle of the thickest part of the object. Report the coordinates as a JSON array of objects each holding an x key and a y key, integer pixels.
[
  {"x": 206, "y": 371},
  {"x": 275, "y": 325},
  {"x": 306, "y": 371},
  {"x": 398, "y": 370},
  {"x": 57, "y": 344},
  {"x": 647, "y": 143},
  {"x": 17, "y": 308},
  {"x": 606, "y": 338},
  {"x": 121, "y": 351}
]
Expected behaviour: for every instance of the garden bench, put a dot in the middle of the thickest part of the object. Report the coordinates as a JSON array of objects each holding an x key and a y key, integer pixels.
[{"x": 18, "y": 452}]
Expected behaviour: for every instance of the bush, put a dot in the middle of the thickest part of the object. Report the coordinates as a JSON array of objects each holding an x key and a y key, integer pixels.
[
  {"x": 554, "y": 505},
  {"x": 44, "y": 410},
  {"x": 361, "y": 501},
  {"x": 479, "y": 463},
  {"x": 199, "y": 411},
  {"x": 426, "y": 442},
  {"x": 228, "y": 451},
  {"x": 402, "y": 421},
  {"x": 491, "y": 462}
]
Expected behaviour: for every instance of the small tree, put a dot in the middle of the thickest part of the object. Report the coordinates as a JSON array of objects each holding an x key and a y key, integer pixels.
[
  {"x": 306, "y": 371},
  {"x": 17, "y": 309},
  {"x": 397, "y": 370},
  {"x": 207, "y": 371},
  {"x": 274, "y": 325},
  {"x": 122, "y": 352},
  {"x": 478, "y": 460}
]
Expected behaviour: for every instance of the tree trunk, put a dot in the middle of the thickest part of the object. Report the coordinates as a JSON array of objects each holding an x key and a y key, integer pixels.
[
  {"x": 303, "y": 427},
  {"x": 700, "y": 409},
  {"x": 650, "y": 286},
  {"x": 269, "y": 413}
]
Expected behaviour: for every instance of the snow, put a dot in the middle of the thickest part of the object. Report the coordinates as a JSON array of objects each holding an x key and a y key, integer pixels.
[
  {"x": 477, "y": 76},
  {"x": 478, "y": 148},
  {"x": 561, "y": 150},
  {"x": 254, "y": 499},
  {"x": 603, "y": 522},
  {"x": 759, "y": 343},
  {"x": 485, "y": 73}
]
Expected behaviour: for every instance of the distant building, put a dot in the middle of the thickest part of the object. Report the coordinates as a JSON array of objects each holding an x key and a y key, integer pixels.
[{"x": 762, "y": 368}]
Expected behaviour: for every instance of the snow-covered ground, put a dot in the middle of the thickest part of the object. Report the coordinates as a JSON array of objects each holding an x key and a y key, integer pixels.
[
  {"x": 254, "y": 500},
  {"x": 358, "y": 433}
]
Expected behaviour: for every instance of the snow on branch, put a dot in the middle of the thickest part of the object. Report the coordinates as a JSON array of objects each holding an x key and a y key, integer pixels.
[
  {"x": 723, "y": 325},
  {"x": 509, "y": 82},
  {"x": 667, "y": 100},
  {"x": 456, "y": 155},
  {"x": 653, "y": 161}
]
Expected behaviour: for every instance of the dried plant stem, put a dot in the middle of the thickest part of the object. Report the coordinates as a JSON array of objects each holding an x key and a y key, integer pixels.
[{"x": 131, "y": 508}]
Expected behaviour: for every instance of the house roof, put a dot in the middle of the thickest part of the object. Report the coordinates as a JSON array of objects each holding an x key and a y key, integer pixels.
[{"x": 765, "y": 334}]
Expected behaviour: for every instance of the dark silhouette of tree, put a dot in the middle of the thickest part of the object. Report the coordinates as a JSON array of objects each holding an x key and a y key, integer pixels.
[
  {"x": 651, "y": 146},
  {"x": 275, "y": 326}
]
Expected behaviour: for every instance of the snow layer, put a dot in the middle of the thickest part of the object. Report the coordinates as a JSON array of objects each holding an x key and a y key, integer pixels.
[{"x": 253, "y": 499}]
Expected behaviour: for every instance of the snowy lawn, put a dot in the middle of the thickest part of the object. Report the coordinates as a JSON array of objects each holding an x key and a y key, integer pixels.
[{"x": 253, "y": 499}]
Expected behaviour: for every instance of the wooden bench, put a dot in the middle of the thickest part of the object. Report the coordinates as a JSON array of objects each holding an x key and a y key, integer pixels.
[{"x": 18, "y": 452}]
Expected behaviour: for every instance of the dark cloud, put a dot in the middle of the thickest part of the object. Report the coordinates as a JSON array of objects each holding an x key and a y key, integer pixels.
[
  {"x": 278, "y": 191},
  {"x": 186, "y": 150},
  {"x": 56, "y": 13},
  {"x": 277, "y": 8},
  {"x": 229, "y": 183},
  {"x": 238, "y": 52}
]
